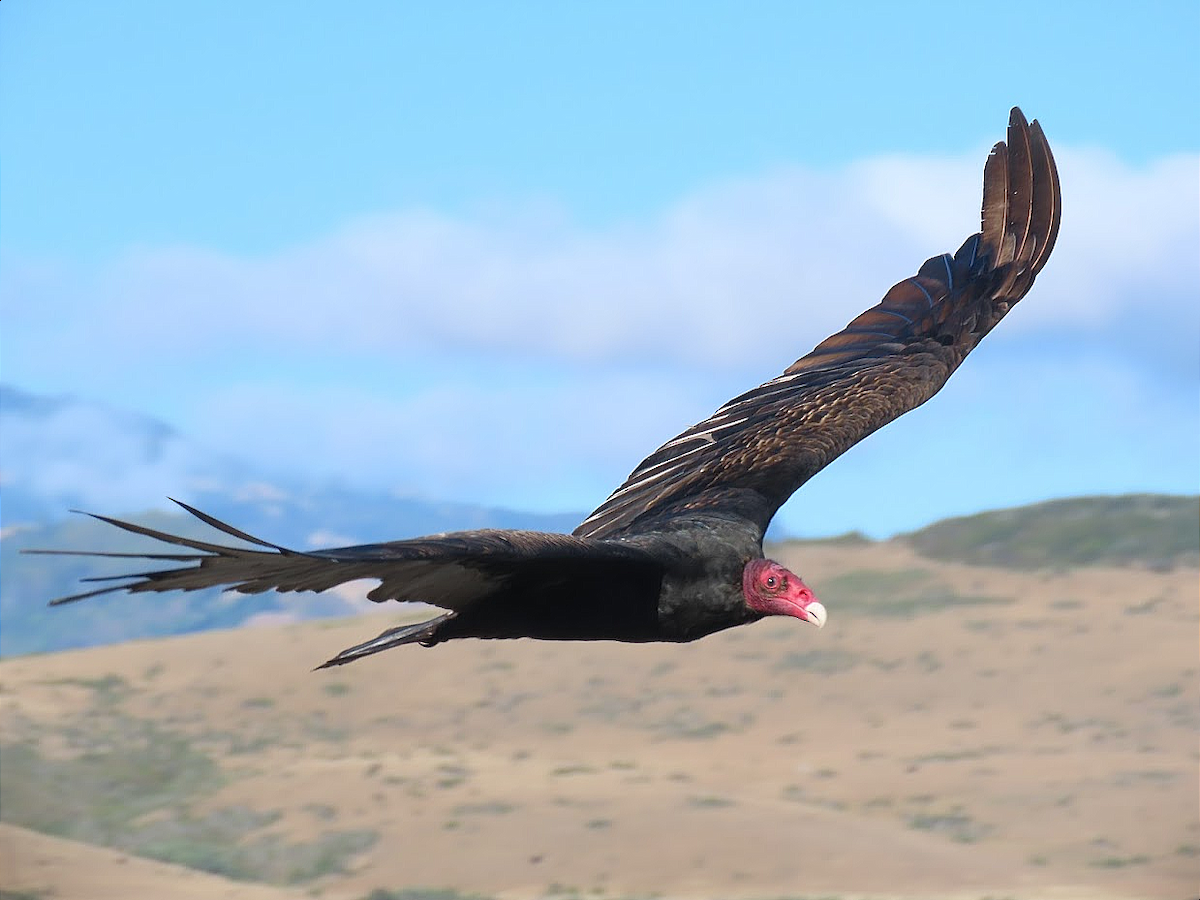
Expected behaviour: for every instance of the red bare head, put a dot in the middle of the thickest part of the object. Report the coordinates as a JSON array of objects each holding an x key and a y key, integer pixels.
[{"x": 772, "y": 590}]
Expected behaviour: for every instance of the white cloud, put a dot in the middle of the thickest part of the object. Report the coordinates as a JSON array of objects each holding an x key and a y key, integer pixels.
[{"x": 762, "y": 267}]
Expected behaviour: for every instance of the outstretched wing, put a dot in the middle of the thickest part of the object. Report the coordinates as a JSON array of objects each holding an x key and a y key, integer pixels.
[
  {"x": 751, "y": 455},
  {"x": 452, "y": 571},
  {"x": 493, "y": 583}
]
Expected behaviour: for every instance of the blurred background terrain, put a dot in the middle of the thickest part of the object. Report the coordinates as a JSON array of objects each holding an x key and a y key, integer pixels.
[{"x": 980, "y": 718}]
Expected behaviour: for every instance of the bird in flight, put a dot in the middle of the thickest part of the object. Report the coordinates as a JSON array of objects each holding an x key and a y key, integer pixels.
[{"x": 675, "y": 553}]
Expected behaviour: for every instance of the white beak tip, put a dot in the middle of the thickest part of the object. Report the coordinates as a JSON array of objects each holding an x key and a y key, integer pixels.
[{"x": 816, "y": 613}]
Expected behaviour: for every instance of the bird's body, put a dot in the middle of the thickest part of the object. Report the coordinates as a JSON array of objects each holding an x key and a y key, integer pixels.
[{"x": 675, "y": 553}]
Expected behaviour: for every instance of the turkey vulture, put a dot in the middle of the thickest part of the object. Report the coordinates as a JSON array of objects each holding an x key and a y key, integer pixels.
[{"x": 676, "y": 552}]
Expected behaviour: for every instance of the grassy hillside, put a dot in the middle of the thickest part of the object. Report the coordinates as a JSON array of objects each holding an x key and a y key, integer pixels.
[
  {"x": 911, "y": 748},
  {"x": 1150, "y": 530}
]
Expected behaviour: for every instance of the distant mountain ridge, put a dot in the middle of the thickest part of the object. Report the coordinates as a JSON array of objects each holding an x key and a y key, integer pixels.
[{"x": 63, "y": 453}]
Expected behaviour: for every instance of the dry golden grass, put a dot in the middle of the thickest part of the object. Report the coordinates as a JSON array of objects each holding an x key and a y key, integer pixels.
[{"x": 954, "y": 731}]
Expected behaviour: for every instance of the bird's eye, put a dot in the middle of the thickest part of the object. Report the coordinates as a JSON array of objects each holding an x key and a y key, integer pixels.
[{"x": 771, "y": 582}]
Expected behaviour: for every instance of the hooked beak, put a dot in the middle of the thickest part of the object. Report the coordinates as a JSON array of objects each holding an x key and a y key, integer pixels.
[{"x": 815, "y": 613}]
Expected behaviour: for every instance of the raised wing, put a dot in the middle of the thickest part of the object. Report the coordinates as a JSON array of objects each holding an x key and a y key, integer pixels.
[{"x": 751, "y": 455}]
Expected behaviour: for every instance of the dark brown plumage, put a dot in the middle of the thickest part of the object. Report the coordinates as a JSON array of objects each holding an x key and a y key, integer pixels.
[{"x": 675, "y": 552}]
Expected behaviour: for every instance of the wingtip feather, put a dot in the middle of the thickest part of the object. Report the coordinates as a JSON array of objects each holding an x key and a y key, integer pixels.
[{"x": 73, "y": 598}]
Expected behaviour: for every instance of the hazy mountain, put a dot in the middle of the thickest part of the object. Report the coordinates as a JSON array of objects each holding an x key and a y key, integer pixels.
[{"x": 63, "y": 453}]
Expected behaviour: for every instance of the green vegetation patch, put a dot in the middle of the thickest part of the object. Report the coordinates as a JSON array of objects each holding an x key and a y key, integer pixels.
[
  {"x": 689, "y": 723},
  {"x": 216, "y": 844},
  {"x": 138, "y": 798},
  {"x": 1151, "y": 530},
  {"x": 129, "y": 784},
  {"x": 488, "y": 808},
  {"x": 106, "y": 689},
  {"x": 96, "y": 795},
  {"x": 820, "y": 660},
  {"x": 709, "y": 801},
  {"x": 955, "y": 825},
  {"x": 1119, "y": 862}
]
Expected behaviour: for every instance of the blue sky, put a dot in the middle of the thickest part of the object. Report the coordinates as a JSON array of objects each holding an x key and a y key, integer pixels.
[{"x": 502, "y": 251}]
